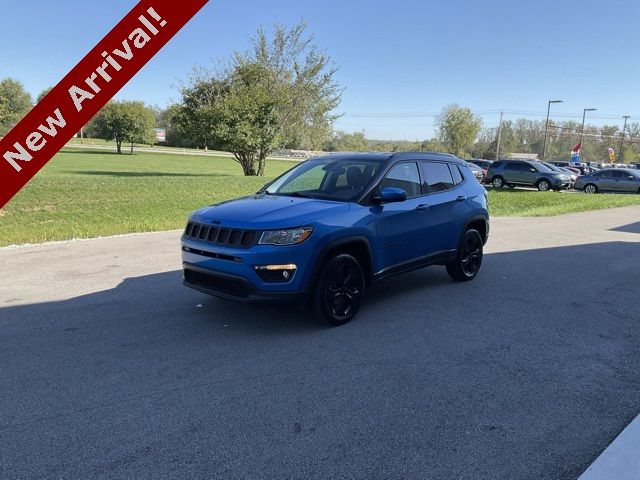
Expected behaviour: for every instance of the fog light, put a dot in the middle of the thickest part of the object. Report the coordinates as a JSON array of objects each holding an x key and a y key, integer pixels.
[{"x": 276, "y": 273}]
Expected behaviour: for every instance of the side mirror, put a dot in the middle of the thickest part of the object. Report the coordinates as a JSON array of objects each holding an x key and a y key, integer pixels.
[
  {"x": 631, "y": 177},
  {"x": 390, "y": 195},
  {"x": 532, "y": 170}
]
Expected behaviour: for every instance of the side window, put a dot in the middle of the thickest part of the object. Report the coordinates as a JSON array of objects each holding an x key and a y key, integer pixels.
[
  {"x": 437, "y": 176},
  {"x": 404, "y": 176},
  {"x": 455, "y": 173},
  {"x": 620, "y": 174},
  {"x": 512, "y": 167}
]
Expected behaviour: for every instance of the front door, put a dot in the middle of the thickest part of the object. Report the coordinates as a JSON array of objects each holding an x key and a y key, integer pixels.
[
  {"x": 625, "y": 182},
  {"x": 398, "y": 225}
]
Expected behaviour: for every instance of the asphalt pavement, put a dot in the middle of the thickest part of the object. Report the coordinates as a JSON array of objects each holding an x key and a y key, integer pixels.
[{"x": 109, "y": 368}]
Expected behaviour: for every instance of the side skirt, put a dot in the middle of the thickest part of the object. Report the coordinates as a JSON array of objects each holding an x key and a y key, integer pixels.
[{"x": 437, "y": 258}]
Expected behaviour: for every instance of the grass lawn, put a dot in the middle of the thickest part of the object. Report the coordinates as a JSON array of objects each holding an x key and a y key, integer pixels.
[
  {"x": 83, "y": 194},
  {"x": 527, "y": 203},
  {"x": 89, "y": 193}
]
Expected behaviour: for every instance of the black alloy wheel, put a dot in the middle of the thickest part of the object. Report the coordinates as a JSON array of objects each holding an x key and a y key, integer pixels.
[
  {"x": 340, "y": 289},
  {"x": 469, "y": 257}
]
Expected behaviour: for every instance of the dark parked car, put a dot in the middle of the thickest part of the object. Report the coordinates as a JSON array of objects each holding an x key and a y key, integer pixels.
[
  {"x": 573, "y": 175},
  {"x": 524, "y": 173},
  {"x": 327, "y": 228},
  {"x": 610, "y": 180},
  {"x": 578, "y": 168},
  {"x": 478, "y": 172},
  {"x": 483, "y": 164}
]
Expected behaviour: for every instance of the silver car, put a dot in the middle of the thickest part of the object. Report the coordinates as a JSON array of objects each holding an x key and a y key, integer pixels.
[{"x": 610, "y": 180}]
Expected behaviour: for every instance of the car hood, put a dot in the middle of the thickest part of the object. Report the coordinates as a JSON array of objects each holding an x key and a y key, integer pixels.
[{"x": 268, "y": 211}]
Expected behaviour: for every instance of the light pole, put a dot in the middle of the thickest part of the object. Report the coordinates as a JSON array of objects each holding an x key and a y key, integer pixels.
[
  {"x": 624, "y": 130},
  {"x": 584, "y": 117},
  {"x": 546, "y": 128}
]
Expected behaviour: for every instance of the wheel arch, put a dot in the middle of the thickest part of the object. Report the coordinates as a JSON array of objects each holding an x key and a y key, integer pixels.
[
  {"x": 358, "y": 247},
  {"x": 479, "y": 223}
]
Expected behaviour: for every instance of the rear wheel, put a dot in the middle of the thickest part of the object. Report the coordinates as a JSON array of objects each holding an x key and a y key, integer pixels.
[
  {"x": 543, "y": 185},
  {"x": 339, "y": 290},
  {"x": 497, "y": 182},
  {"x": 468, "y": 258},
  {"x": 591, "y": 189}
]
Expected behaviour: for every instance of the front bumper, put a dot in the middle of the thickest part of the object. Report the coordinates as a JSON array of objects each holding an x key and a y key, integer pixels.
[
  {"x": 233, "y": 287},
  {"x": 231, "y": 272}
]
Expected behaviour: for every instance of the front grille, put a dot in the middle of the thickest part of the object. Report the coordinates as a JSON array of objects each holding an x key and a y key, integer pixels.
[
  {"x": 212, "y": 283},
  {"x": 228, "y": 237}
]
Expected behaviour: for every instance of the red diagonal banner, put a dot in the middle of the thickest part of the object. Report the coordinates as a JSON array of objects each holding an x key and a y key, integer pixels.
[{"x": 87, "y": 88}]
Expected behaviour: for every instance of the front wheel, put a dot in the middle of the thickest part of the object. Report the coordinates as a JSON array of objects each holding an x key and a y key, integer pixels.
[
  {"x": 339, "y": 290},
  {"x": 468, "y": 258},
  {"x": 544, "y": 185},
  {"x": 591, "y": 189},
  {"x": 497, "y": 182}
]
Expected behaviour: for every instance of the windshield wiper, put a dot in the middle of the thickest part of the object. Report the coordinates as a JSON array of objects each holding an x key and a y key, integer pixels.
[{"x": 295, "y": 194}]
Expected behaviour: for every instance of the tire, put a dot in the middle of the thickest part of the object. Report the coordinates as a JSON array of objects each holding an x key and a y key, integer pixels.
[
  {"x": 339, "y": 290},
  {"x": 543, "y": 185},
  {"x": 590, "y": 189},
  {"x": 468, "y": 258},
  {"x": 497, "y": 182}
]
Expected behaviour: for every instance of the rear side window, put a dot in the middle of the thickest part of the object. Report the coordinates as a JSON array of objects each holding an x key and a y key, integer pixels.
[
  {"x": 513, "y": 167},
  {"x": 437, "y": 176},
  {"x": 404, "y": 176},
  {"x": 456, "y": 174}
]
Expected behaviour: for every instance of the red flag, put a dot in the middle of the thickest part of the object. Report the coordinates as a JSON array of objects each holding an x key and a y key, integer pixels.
[{"x": 87, "y": 88}]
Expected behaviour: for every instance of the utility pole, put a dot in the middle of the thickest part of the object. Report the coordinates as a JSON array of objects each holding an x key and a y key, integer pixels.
[
  {"x": 624, "y": 130},
  {"x": 499, "y": 137},
  {"x": 546, "y": 128}
]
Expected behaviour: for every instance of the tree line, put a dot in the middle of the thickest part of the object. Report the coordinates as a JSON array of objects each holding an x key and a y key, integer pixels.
[{"x": 282, "y": 93}]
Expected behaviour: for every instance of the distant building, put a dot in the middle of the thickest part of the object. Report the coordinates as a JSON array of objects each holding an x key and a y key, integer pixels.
[{"x": 523, "y": 156}]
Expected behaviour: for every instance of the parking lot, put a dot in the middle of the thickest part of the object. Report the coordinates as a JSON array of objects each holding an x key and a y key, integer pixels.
[{"x": 111, "y": 369}]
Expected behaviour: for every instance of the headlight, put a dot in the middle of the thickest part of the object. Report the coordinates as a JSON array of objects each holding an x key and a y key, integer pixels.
[{"x": 285, "y": 237}]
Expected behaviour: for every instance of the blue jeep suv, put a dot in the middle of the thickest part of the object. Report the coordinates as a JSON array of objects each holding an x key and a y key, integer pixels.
[{"x": 327, "y": 228}]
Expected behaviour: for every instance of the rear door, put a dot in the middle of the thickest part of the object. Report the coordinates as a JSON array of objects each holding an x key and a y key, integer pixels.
[
  {"x": 607, "y": 181},
  {"x": 448, "y": 208}
]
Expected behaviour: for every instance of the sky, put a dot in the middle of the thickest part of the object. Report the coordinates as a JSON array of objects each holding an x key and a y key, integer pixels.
[{"x": 399, "y": 62}]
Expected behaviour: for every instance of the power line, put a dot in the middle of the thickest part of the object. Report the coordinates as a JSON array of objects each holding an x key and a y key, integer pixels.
[{"x": 530, "y": 113}]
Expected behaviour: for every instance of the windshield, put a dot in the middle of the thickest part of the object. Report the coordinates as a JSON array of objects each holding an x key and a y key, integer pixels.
[
  {"x": 554, "y": 168},
  {"x": 541, "y": 167},
  {"x": 327, "y": 179}
]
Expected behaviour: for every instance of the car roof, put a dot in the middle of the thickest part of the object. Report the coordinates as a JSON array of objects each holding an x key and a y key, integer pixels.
[
  {"x": 628, "y": 170},
  {"x": 384, "y": 157}
]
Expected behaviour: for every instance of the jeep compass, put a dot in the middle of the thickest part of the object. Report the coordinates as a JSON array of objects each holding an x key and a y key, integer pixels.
[{"x": 326, "y": 229}]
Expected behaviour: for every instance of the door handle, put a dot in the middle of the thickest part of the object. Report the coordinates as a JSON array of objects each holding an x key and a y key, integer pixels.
[
  {"x": 461, "y": 198},
  {"x": 422, "y": 208}
]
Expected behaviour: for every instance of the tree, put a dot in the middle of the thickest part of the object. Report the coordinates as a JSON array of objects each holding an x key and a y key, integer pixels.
[
  {"x": 279, "y": 93},
  {"x": 15, "y": 103},
  {"x": 458, "y": 129},
  {"x": 131, "y": 122},
  {"x": 43, "y": 94},
  {"x": 347, "y": 142}
]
